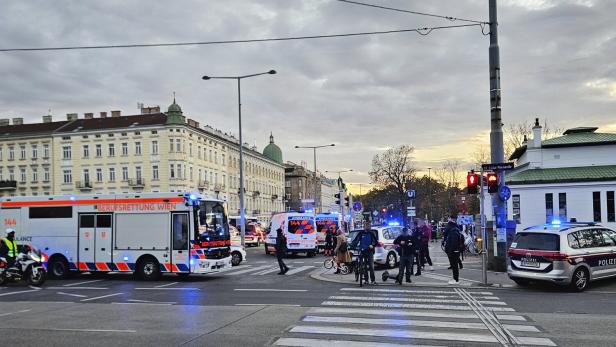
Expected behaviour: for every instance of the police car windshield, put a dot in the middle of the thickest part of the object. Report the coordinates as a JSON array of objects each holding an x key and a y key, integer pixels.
[
  {"x": 536, "y": 242},
  {"x": 213, "y": 218}
]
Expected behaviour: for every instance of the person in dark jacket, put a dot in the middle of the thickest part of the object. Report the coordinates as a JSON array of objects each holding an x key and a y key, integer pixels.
[
  {"x": 281, "y": 248},
  {"x": 451, "y": 242},
  {"x": 365, "y": 242},
  {"x": 424, "y": 251},
  {"x": 407, "y": 245},
  {"x": 329, "y": 236},
  {"x": 451, "y": 224}
]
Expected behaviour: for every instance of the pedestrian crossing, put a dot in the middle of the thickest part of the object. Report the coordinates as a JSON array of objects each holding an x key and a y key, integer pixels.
[
  {"x": 263, "y": 270},
  {"x": 382, "y": 317}
]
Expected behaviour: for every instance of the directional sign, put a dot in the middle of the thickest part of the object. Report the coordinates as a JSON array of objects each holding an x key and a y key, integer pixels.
[
  {"x": 375, "y": 213},
  {"x": 411, "y": 212},
  {"x": 497, "y": 166},
  {"x": 504, "y": 193},
  {"x": 410, "y": 194}
]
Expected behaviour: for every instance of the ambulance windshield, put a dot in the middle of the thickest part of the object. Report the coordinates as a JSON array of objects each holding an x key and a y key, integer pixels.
[{"x": 213, "y": 219}]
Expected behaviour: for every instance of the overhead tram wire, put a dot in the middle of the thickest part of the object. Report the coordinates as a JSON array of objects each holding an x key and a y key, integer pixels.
[
  {"x": 413, "y": 12},
  {"x": 421, "y": 31}
]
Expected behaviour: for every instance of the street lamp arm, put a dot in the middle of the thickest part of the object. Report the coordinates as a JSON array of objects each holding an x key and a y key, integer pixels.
[{"x": 270, "y": 72}]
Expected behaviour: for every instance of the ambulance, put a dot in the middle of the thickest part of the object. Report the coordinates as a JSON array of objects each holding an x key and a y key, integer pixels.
[
  {"x": 325, "y": 222},
  {"x": 299, "y": 229},
  {"x": 145, "y": 234}
]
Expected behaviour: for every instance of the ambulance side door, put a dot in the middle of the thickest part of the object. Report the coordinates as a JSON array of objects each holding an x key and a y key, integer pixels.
[
  {"x": 86, "y": 241},
  {"x": 179, "y": 241}
]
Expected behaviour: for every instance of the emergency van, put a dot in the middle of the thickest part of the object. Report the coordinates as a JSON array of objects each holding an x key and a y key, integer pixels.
[
  {"x": 325, "y": 222},
  {"x": 147, "y": 234},
  {"x": 299, "y": 229}
]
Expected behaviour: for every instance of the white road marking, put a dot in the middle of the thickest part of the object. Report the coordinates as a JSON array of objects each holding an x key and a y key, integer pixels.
[
  {"x": 408, "y": 334},
  {"x": 389, "y": 313},
  {"x": 268, "y": 290},
  {"x": 265, "y": 272},
  {"x": 20, "y": 292},
  {"x": 411, "y": 323},
  {"x": 299, "y": 269},
  {"x": 150, "y": 302},
  {"x": 421, "y": 300},
  {"x": 300, "y": 342},
  {"x": 10, "y": 313},
  {"x": 70, "y": 294},
  {"x": 234, "y": 273},
  {"x": 298, "y": 262},
  {"x": 433, "y": 296},
  {"x": 166, "y": 285},
  {"x": 77, "y": 288},
  {"x": 414, "y": 306},
  {"x": 383, "y": 290},
  {"x": 317, "y": 262},
  {"x": 261, "y": 262},
  {"x": 101, "y": 297},
  {"x": 449, "y": 277},
  {"x": 143, "y": 303},
  {"x": 166, "y": 288},
  {"x": 289, "y": 305},
  {"x": 80, "y": 283},
  {"x": 87, "y": 330},
  {"x": 34, "y": 287}
]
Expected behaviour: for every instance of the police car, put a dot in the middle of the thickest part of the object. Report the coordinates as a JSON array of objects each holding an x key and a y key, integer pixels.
[
  {"x": 567, "y": 254},
  {"x": 385, "y": 252}
]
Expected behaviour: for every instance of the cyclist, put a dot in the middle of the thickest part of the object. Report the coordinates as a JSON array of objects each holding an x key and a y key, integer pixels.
[{"x": 365, "y": 242}]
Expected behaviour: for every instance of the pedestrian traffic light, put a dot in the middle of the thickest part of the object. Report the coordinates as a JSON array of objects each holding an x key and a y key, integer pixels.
[
  {"x": 471, "y": 182},
  {"x": 346, "y": 201},
  {"x": 337, "y": 196},
  {"x": 383, "y": 210},
  {"x": 492, "y": 179}
]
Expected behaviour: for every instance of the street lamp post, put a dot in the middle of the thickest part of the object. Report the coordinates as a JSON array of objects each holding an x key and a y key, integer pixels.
[
  {"x": 430, "y": 192},
  {"x": 239, "y": 108},
  {"x": 314, "y": 149}
]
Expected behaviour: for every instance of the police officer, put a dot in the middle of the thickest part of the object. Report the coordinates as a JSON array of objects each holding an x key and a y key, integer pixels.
[
  {"x": 281, "y": 249},
  {"x": 8, "y": 247},
  {"x": 407, "y": 244}
]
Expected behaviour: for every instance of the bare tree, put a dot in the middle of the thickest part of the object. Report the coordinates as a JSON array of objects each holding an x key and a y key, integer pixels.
[
  {"x": 481, "y": 155},
  {"x": 515, "y": 133}
]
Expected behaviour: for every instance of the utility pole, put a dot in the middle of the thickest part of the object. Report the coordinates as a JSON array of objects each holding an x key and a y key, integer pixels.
[{"x": 496, "y": 130}]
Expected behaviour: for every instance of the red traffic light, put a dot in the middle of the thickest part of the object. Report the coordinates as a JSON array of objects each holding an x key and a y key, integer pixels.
[
  {"x": 472, "y": 179},
  {"x": 492, "y": 180},
  {"x": 384, "y": 210}
]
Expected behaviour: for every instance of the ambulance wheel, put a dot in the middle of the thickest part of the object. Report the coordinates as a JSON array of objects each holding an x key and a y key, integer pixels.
[
  {"x": 58, "y": 268},
  {"x": 148, "y": 269}
]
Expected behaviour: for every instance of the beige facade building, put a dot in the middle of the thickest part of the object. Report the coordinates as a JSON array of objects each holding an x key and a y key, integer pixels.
[{"x": 149, "y": 152}]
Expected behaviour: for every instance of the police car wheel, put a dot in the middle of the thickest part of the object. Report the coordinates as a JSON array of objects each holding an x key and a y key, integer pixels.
[
  {"x": 580, "y": 280},
  {"x": 236, "y": 258}
]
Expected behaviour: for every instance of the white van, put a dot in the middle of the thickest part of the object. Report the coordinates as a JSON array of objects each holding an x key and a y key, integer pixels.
[
  {"x": 300, "y": 230},
  {"x": 325, "y": 222}
]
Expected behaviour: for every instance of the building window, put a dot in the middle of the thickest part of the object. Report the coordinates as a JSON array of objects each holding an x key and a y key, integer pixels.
[
  {"x": 137, "y": 148},
  {"x": 171, "y": 171},
  {"x": 191, "y": 173},
  {"x": 138, "y": 172},
  {"x": 170, "y": 145},
  {"x": 11, "y": 153},
  {"x": 190, "y": 149},
  {"x": 179, "y": 167},
  {"x": 1, "y": 150},
  {"x": 111, "y": 150},
  {"x": 34, "y": 174},
  {"x": 86, "y": 176},
  {"x": 596, "y": 206},
  {"x": 549, "y": 207},
  {"x": 67, "y": 176},
  {"x": 111, "y": 174},
  {"x": 198, "y": 152},
  {"x": 99, "y": 175},
  {"x": 178, "y": 145},
  {"x": 215, "y": 157},
  {"x": 155, "y": 147},
  {"x": 610, "y": 207},
  {"x": 124, "y": 149},
  {"x": 516, "y": 208},
  {"x": 99, "y": 150},
  {"x": 299, "y": 183},
  {"x": 301, "y": 195},
  {"x": 45, "y": 174},
  {"x": 154, "y": 132},
  {"x": 66, "y": 152},
  {"x": 45, "y": 151},
  {"x": 11, "y": 174},
  {"x": 34, "y": 152},
  {"x": 562, "y": 207},
  {"x": 124, "y": 173},
  {"x": 223, "y": 159},
  {"x": 22, "y": 152},
  {"x": 287, "y": 184},
  {"x": 86, "y": 151},
  {"x": 210, "y": 155},
  {"x": 22, "y": 175},
  {"x": 155, "y": 173}
]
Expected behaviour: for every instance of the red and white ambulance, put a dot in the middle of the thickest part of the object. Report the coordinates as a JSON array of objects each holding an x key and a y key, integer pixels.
[{"x": 148, "y": 234}]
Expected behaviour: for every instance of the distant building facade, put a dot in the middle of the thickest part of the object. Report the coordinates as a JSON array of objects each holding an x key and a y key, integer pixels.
[
  {"x": 300, "y": 190},
  {"x": 149, "y": 152}
]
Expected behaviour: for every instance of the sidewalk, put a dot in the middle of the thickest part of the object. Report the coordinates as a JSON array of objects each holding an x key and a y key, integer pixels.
[{"x": 470, "y": 275}]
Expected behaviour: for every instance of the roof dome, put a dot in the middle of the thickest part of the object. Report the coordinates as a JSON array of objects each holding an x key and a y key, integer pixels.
[
  {"x": 272, "y": 151},
  {"x": 174, "y": 113},
  {"x": 174, "y": 108}
]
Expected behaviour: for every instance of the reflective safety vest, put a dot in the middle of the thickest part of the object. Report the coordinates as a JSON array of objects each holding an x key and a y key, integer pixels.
[{"x": 12, "y": 245}]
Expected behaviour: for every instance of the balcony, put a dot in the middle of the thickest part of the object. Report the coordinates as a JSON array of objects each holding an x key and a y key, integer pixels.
[
  {"x": 274, "y": 196},
  {"x": 8, "y": 185},
  {"x": 202, "y": 184},
  {"x": 218, "y": 188},
  {"x": 83, "y": 185},
  {"x": 136, "y": 183}
]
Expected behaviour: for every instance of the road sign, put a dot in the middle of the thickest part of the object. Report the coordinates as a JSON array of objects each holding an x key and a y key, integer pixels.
[
  {"x": 357, "y": 206},
  {"x": 410, "y": 194},
  {"x": 411, "y": 212},
  {"x": 504, "y": 193},
  {"x": 497, "y": 166},
  {"x": 375, "y": 213}
]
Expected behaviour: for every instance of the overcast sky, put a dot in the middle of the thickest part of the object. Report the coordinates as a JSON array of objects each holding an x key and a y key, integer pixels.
[{"x": 363, "y": 93}]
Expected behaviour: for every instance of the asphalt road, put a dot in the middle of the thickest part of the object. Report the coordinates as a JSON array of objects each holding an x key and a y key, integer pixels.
[{"x": 253, "y": 306}]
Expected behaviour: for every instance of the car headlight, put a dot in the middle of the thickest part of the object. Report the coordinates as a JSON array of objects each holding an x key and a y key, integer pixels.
[{"x": 35, "y": 257}]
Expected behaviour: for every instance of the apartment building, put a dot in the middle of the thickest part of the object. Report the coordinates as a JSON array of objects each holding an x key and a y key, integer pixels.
[{"x": 148, "y": 152}]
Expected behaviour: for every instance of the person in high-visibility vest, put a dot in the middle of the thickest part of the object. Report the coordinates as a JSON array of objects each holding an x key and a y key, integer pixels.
[{"x": 8, "y": 247}]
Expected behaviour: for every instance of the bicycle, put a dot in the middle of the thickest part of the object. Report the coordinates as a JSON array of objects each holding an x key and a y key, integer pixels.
[
  {"x": 332, "y": 263},
  {"x": 361, "y": 270}
]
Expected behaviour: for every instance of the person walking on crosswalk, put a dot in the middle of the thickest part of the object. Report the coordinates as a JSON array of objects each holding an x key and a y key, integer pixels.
[
  {"x": 452, "y": 248},
  {"x": 281, "y": 249}
]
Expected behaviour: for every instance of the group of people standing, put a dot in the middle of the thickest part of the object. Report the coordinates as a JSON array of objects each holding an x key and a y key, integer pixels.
[{"x": 413, "y": 249}]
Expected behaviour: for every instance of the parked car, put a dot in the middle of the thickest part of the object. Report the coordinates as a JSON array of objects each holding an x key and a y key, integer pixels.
[
  {"x": 385, "y": 252},
  {"x": 567, "y": 254}
]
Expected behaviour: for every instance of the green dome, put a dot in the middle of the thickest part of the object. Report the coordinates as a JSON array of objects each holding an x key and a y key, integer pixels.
[
  {"x": 272, "y": 151},
  {"x": 174, "y": 114}
]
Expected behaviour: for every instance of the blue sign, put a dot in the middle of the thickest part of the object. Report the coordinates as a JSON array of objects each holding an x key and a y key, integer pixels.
[
  {"x": 410, "y": 194},
  {"x": 504, "y": 193},
  {"x": 357, "y": 206}
]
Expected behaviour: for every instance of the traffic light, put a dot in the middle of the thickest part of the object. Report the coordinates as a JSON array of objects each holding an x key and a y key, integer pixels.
[
  {"x": 471, "y": 182},
  {"x": 346, "y": 201},
  {"x": 492, "y": 179},
  {"x": 337, "y": 196},
  {"x": 383, "y": 210}
]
